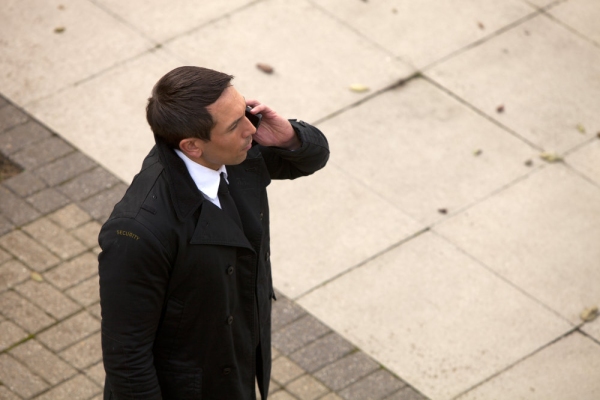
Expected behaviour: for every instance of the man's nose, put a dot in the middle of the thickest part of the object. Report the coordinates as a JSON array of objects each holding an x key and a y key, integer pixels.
[{"x": 249, "y": 128}]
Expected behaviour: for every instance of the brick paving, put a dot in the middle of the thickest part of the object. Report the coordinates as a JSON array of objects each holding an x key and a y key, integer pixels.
[{"x": 50, "y": 216}]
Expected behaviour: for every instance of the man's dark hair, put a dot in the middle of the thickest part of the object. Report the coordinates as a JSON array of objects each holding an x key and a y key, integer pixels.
[{"x": 177, "y": 108}]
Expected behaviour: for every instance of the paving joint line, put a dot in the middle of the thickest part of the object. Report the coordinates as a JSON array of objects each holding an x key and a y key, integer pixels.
[
  {"x": 361, "y": 35},
  {"x": 364, "y": 262},
  {"x": 515, "y": 363},
  {"x": 395, "y": 85},
  {"x": 566, "y": 26},
  {"x": 503, "y": 278},
  {"x": 534, "y": 13},
  {"x": 482, "y": 113},
  {"x": 506, "y": 186},
  {"x": 211, "y": 22}
]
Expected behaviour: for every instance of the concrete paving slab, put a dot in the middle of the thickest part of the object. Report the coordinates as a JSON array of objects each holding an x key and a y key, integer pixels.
[
  {"x": 12, "y": 273},
  {"x": 592, "y": 329},
  {"x": 79, "y": 387},
  {"x": 353, "y": 368},
  {"x": 315, "y": 58},
  {"x": 422, "y": 32},
  {"x": 96, "y": 373},
  {"x": 111, "y": 123},
  {"x": 49, "y": 299},
  {"x": 566, "y": 369},
  {"x": 346, "y": 225},
  {"x": 17, "y": 378},
  {"x": 581, "y": 15},
  {"x": 164, "y": 19},
  {"x": 7, "y": 394},
  {"x": 27, "y": 315},
  {"x": 23, "y": 134},
  {"x": 424, "y": 151},
  {"x": 42, "y": 362},
  {"x": 28, "y": 251},
  {"x": 85, "y": 353},
  {"x": 49, "y": 45},
  {"x": 434, "y": 316},
  {"x": 307, "y": 387},
  {"x": 527, "y": 73},
  {"x": 10, "y": 334},
  {"x": 586, "y": 159},
  {"x": 10, "y": 117},
  {"x": 543, "y": 3},
  {"x": 540, "y": 234}
]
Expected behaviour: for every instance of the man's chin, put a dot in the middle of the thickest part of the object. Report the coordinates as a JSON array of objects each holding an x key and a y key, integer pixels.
[{"x": 240, "y": 160}]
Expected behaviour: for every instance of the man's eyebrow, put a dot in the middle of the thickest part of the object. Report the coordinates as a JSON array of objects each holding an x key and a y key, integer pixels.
[{"x": 234, "y": 123}]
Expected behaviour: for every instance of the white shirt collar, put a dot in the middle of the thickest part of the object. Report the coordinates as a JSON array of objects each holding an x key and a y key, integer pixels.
[{"x": 207, "y": 180}]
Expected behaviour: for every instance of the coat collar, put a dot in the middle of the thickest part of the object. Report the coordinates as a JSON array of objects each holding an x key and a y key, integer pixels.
[
  {"x": 185, "y": 195},
  {"x": 214, "y": 226}
]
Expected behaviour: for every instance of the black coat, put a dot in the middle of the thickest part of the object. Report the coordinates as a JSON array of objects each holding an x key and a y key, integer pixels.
[{"x": 181, "y": 283}]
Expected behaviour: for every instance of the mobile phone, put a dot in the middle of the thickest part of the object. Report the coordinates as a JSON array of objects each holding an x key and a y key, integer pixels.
[{"x": 254, "y": 118}]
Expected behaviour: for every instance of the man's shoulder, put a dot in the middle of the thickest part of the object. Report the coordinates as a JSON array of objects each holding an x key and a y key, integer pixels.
[{"x": 144, "y": 187}]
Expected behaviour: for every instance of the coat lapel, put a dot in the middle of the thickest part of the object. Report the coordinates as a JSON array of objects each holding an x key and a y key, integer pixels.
[
  {"x": 216, "y": 227},
  {"x": 247, "y": 185}
]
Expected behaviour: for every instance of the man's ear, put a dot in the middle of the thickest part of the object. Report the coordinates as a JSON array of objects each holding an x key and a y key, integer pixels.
[{"x": 191, "y": 147}]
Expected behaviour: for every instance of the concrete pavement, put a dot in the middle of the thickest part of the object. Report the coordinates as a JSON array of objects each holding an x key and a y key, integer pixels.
[{"x": 451, "y": 244}]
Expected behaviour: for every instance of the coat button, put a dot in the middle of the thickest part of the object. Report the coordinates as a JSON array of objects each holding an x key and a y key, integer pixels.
[
  {"x": 261, "y": 215},
  {"x": 267, "y": 255},
  {"x": 230, "y": 320},
  {"x": 226, "y": 371},
  {"x": 230, "y": 270}
]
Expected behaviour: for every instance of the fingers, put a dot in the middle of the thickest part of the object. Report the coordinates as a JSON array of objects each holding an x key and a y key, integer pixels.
[
  {"x": 257, "y": 107},
  {"x": 254, "y": 104}
]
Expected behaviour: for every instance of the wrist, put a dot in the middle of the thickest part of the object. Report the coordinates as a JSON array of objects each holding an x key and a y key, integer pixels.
[{"x": 293, "y": 143}]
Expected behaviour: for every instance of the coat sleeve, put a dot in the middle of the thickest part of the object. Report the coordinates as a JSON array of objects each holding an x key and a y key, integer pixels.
[
  {"x": 134, "y": 274},
  {"x": 310, "y": 157}
]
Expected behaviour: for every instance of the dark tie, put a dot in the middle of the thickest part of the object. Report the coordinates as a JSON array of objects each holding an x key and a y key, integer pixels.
[{"x": 227, "y": 203}]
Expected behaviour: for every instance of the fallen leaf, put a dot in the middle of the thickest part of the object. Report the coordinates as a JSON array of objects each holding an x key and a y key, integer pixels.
[
  {"x": 500, "y": 108},
  {"x": 266, "y": 68},
  {"x": 480, "y": 25},
  {"x": 550, "y": 157},
  {"x": 59, "y": 29},
  {"x": 477, "y": 152},
  {"x": 580, "y": 128},
  {"x": 36, "y": 277},
  {"x": 394, "y": 11},
  {"x": 589, "y": 314},
  {"x": 358, "y": 88},
  {"x": 529, "y": 163},
  {"x": 598, "y": 134},
  {"x": 443, "y": 211},
  {"x": 61, "y": 7}
]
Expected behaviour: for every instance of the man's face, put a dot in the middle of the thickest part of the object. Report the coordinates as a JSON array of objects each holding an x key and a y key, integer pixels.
[{"x": 231, "y": 137}]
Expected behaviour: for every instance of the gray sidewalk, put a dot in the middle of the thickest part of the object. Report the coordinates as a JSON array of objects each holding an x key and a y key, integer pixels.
[{"x": 51, "y": 210}]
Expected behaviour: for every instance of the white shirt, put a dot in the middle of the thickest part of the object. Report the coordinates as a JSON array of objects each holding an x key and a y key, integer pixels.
[{"x": 207, "y": 180}]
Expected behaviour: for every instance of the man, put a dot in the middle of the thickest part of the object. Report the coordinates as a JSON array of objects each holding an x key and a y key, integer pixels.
[{"x": 185, "y": 276}]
